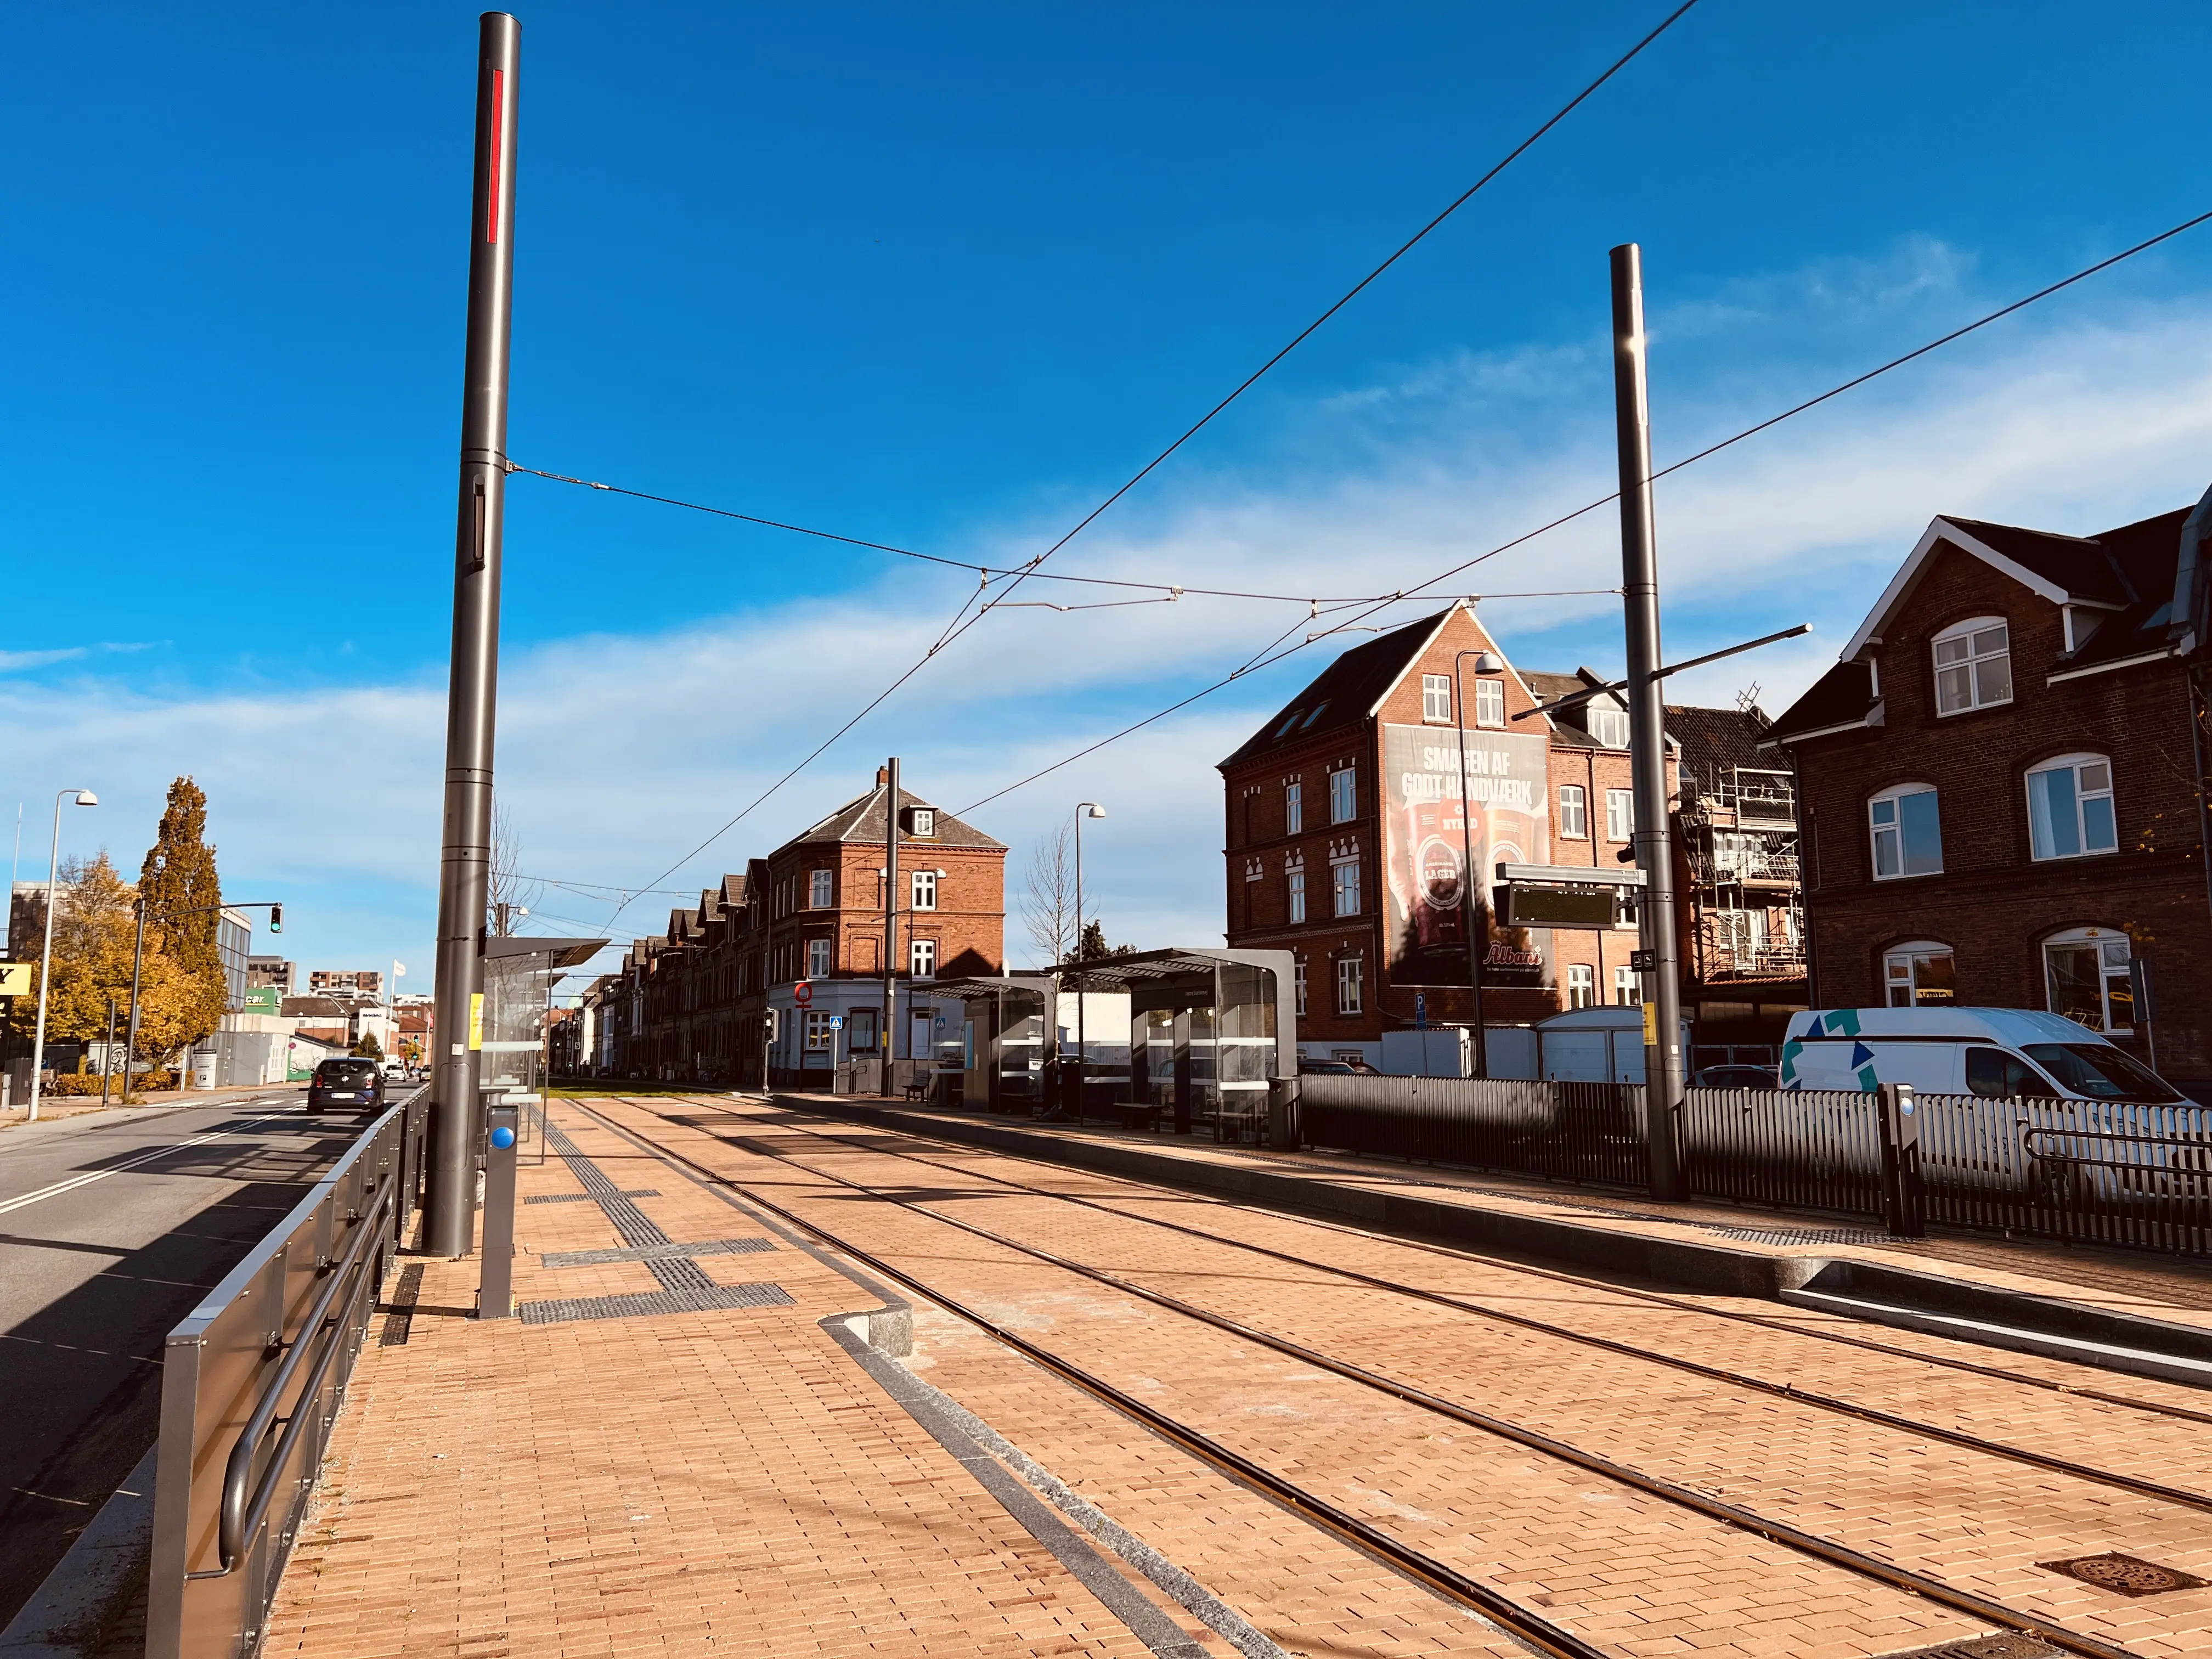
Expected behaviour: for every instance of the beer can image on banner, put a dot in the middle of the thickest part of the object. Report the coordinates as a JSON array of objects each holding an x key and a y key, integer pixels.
[{"x": 1428, "y": 836}]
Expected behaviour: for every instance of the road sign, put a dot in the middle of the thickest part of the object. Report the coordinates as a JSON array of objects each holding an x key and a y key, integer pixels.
[
  {"x": 1420, "y": 1010},
  {"x": 15, "y": 979},
  {"x": 836, "y": 1022},
  {"x": 940, "y": 1022},
  {"x": 802, "y": 994},
  {"x": 1639, "y": 962}
]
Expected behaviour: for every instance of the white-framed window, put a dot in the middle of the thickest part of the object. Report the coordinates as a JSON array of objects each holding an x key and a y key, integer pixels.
[
  {"x": 1574, "y": 812},
  {"x": 1343, "y": 795},
  {"x": 1921, "y": 975},
  {"x": 925, "y": 889},
  {"x": 2069, "y": 808},
  {"x": 1294, "y": 809},
  {"x": 1973, "y": 666},
  {"x": 1295, "y": 883},
  {"x": 924, "y": 820},
  {"x": 2086, "y": 970},
  {"x": 860, "y": 1031},
  {"x": 1908, "y": 832},
  {"x": 1582, "y": 985},
  {"x": 1350, "y": 993},
  {"x": 1607, "y": 722},
  {"x": 818, "y": 958},
  {"x": 1619, "y": 814},
  {"x": 1627, "y": 989},
  {"x": 1344, "y": 884},
  {"x": 820, "y": 890},
  {"x": 921, "y": 958},
  {"x": 1489, "y": 703},
  {"x": 818, "y": 1034},
  {"x": 1435, "y": 699},
  {"x": 1299, "y": 982}
]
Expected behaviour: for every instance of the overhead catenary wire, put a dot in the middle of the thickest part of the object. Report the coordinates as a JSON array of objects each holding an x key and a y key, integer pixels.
[{"x": 1418, "y": 589}]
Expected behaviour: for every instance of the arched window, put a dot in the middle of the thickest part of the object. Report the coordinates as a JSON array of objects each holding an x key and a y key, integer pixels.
[
  {"x": 1921, "y": 975},
  {"x": 2070, "y": 807},
  {"x": 1908, "y": 833},
  {"x": 1973, "y": 666},
  {"x": 2088, "y": 973}
]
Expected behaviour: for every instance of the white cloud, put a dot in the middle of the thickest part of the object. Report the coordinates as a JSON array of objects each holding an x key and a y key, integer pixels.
[{"x": 617, "y": 753}]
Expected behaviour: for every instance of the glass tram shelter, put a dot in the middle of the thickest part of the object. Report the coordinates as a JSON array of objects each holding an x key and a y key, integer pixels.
[
  {"x": 1190, "y": 1036},
  {"x": 519, "y": 973}
]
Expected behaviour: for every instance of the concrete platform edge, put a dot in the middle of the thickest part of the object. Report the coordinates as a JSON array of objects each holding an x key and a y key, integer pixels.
[
  {"x": 67, "y": 1613},
  {"x": 2019, "y": 1318}
]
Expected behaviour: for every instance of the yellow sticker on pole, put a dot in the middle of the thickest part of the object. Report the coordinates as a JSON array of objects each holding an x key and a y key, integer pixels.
[
  {"x": 1651, "y": 1025},
  {"x": 15, "y": 979},
  {"x": 476, "y": 1019}
]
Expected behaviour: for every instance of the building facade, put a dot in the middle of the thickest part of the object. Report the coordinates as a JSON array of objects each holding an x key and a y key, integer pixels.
[
  {"x": 2003, "y": 787},
  {"x": 1346, "y": 844}
]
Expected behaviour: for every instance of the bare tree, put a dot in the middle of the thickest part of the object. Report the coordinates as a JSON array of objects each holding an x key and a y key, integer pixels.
[
  {"x": 507, "y": 893},
  {"x": 1048, "y": 907}
]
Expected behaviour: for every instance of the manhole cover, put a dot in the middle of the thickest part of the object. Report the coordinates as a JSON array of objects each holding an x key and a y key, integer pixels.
[
  {"x": 2128, "y": 1574},
  {"x": 2009, "y": 1646}
]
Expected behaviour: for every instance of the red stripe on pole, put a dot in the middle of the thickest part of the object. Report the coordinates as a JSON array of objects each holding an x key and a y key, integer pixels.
[{"x": 498, "y": 114}]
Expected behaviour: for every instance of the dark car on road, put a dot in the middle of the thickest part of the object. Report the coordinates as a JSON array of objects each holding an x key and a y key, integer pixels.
[
  {"x": 349, "y": 1083},
  {"x": 1734, "y": 1077}
]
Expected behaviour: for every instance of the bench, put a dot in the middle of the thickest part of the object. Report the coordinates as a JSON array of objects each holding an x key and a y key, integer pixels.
[
  {"x": 917, "y": 1091},
  {"x": 1138, "y": 1115}
]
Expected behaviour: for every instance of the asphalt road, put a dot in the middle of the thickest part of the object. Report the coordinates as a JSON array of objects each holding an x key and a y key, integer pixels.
[{"x": 110, "y": 1228}]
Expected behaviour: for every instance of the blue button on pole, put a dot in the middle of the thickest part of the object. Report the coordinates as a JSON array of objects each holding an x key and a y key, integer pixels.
[{"x": 502, "y": 1137}]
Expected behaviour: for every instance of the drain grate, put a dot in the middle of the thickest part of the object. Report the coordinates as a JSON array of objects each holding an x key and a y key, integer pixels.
[
  {"x": 643, "y": 1304},
  {"x": 2127, "y": 1575},
  {"x": 589, "y": 1198},
  {"x": 1801, "y": 1235},
  {"x": 2007, "y": 1646}
]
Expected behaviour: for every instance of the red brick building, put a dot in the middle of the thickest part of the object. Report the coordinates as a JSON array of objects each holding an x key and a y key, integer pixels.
[
  {"x": 2004, "y": 784},
  {"x": 1344, "y": 840}
]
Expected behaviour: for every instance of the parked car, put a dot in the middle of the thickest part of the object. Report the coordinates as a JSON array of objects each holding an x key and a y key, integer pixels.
[
  {"x": 1734, "y": 1077},
  {"x": 394, "y": 1070},
  {"x": 1324, "y": 1069},
  {"x": 346, "y": 1082}
]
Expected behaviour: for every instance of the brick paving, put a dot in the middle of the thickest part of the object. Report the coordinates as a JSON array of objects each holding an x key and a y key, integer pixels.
[
  {"x": 1979, "y": 1522},
  {"x": 732, "y": 1480}
]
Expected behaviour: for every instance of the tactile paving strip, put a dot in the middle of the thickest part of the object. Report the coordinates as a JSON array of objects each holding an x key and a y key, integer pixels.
[
  {"x": 588, "y": 1198},
  {"x": 654, "y": 1252},
  {"x": 641, "y": 1304}
]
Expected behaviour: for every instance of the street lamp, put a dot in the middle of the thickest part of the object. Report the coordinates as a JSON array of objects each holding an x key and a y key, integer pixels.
[
  {"x": 84, "y": 797},
  {"x": 1475, "y": 924},
  {"x": 1083, "y": 808}
]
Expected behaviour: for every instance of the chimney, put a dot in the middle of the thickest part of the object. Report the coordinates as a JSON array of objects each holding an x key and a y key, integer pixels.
[{"x": 883, "y": 776}]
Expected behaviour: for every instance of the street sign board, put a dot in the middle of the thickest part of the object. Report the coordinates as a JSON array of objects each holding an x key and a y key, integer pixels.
[
  {"x": 15, "y": 979},
  {"x": 836, "y": 1022},
  {"x": 1557, "y": 907},
  {"x": 1640, "y": 961}
]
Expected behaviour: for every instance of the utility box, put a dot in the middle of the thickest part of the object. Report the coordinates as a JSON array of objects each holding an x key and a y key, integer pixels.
[{"x": 1441, "y": 1051}]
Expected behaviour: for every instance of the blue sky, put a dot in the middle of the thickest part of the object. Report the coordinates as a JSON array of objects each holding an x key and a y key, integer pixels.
[{"x": 944, "y": 278}]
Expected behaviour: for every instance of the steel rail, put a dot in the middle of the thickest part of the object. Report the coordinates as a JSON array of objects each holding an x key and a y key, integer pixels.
[
  {"x": 1730, "y": 1515},
  {"x": 1557, "y": 1276},
  {"x": 239, "y": 1515},
  {"x": 1875, "y": 1414},
  {"x": 1517, "y": 1620}
]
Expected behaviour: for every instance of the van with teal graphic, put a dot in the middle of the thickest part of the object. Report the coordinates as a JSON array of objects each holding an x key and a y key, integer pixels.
[{"x": 1996, "y": 1052}]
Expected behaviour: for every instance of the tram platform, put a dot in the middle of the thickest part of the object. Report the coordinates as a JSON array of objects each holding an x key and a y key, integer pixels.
[{"x": 2082, "y": 1303}]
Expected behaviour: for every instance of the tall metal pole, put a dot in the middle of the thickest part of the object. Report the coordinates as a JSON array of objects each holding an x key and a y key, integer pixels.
[
  {"x": 46, "y": 951},
  {"x": 464, "y": 873},
  {"x": 1079, "y": 1050},
  {"x": 130, "y": 1042},
  {"x": 1647, "y": 738},
  {"x": 890, "y": 913},
  {"x": 1474, "y": 915}
]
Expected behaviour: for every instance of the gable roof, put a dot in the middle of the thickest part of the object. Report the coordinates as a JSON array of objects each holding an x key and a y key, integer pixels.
[
  {"x": 865, "y": 819},
  {"x": 1716, "y": 737},
  {"x": 1841, "y": 700}
]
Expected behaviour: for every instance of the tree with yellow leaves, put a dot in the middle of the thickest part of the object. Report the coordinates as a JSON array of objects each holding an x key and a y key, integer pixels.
[{"x": 94, "y": 930}]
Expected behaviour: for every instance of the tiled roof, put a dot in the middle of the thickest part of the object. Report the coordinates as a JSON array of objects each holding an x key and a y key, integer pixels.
[
  {"x": 863, "y": 820},
  {"x": 1342, "y": 693},
  {"x": 1712, "y": 738},
  {"x": 1842, "y": 696}
]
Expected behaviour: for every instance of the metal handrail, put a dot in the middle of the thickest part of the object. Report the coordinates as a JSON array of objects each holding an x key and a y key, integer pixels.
[{"x": 239, "y": 1517}]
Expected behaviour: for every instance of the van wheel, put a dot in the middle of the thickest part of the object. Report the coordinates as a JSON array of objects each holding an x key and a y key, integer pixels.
[{"x": 2054, "y": 1183}]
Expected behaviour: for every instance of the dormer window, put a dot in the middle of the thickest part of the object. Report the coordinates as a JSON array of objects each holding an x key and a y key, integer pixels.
[
  {"x": 921, "y": 821},
  {"x": 1607, "y": 722},
  {"x": 1973, "y": 666}
]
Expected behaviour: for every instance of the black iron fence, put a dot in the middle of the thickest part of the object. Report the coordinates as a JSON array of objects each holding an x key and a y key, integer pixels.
[{"x": 2118, "y": 1173}]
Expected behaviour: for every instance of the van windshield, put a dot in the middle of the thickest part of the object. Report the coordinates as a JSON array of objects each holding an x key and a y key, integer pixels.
[{"x": 2099, "y": 1071}]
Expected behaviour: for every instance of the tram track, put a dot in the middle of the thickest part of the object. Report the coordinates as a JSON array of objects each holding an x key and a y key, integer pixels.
[
  {"x": 1521, "y": 1621},
  {"x": 1557, "y": 1276},
  {"x": 2001, "y": 1449}
]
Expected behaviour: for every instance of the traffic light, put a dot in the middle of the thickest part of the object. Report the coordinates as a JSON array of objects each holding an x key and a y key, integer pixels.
[
  {"x": 275, "y": 918},
  {"x": 775, "y": 1023}
]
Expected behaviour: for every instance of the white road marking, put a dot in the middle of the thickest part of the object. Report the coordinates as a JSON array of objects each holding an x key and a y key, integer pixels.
[{"x": 75, "y": 1182}]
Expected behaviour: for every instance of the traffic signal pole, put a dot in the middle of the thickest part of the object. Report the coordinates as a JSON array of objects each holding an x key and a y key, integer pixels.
[
  {"x": 464, "y": 870},
  {"x": 1647, "y": 732}
]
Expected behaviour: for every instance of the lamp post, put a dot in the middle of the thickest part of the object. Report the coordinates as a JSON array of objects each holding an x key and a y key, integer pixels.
[
  {"x": 1083, "y": 808},
  {"x": 84, "y": 797},
  {"x": 1474, "y": 919}
]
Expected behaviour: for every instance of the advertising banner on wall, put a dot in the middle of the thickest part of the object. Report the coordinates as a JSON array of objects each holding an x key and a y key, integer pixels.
[{"x": 1425, "y": 839}]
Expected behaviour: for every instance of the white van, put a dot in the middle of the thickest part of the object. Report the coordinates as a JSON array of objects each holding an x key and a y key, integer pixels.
[{"x": 1996, "y": 1052}]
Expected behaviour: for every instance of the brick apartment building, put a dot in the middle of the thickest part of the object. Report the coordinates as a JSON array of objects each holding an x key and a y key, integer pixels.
[
  {"x": 2004, "y": 785},
  {"x": 1344, "y": 837},
  {"x": 691, "y": 1003}
]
